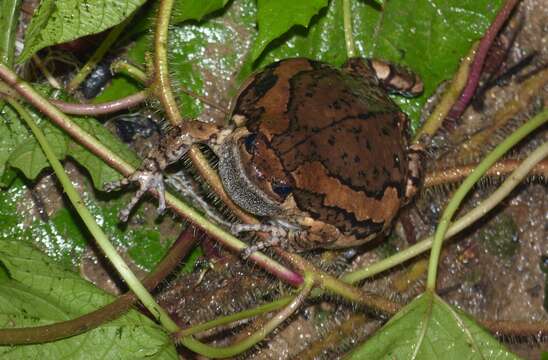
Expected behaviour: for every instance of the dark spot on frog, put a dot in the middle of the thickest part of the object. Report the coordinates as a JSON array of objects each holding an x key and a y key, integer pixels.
[
  {"x": 356, "y": 159},
  {"x": 331, "y": 140},
  {"x": 265, "y": 83},
  {"x": 385, "y": 131}
]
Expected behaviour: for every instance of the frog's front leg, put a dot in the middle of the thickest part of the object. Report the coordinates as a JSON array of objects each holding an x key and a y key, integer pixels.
[{"x": 173, "y": 146}]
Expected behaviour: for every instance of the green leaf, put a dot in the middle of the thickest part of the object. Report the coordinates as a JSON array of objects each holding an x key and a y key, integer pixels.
[
  {"x": 100, "y": 172},
  {"x": 183, "y": 10},
  {"x": 208, "y": 52},
  {"x": 275, "y": 18},
  {"x": 42, "y": 292},
  {"x": 20, "y": 150},
  {"x": 9, "y": 15},
  {"x": 29, "y": 157},
  {"x": 429, "y": 328},
  {"x": 430, "y": 37},
  {"x": 59, "y": 21},
  {"x": 194, "y": 10},
  {"x": 12, "y": 134}
]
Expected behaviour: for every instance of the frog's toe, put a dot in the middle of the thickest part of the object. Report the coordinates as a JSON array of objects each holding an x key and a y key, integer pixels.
[
  {"x": 148, "y": 181},
  {"x": 261, "y": 245},
  {"x": 115, "y": 185}
]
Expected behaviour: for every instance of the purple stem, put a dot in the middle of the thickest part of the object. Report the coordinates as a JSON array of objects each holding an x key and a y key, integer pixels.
[
  {"x": 102, "y": 108},
  {"x": 479, "y": 59}
]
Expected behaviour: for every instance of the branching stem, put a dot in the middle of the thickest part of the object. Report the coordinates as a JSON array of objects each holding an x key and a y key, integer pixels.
[
  {"x": 468, "y": 183},
  {"x": 106, "y": 246}
]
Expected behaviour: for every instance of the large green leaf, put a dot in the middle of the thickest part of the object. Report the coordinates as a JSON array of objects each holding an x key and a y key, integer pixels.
[
  {"x": 212, "y": 49},
  {"x": 59, "y": 21},
  {"x": 429, "y": 328},
  {"x": 429, "y": 36},
  {"x": 42, "y": 292},
  {"x": 275, "y": 18}
]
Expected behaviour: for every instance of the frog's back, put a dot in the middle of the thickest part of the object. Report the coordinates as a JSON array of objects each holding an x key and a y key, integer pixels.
[{"x": 339, "y": 138}]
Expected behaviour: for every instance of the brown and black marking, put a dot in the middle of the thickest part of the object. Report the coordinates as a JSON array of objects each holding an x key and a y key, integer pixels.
[{"x": 334, "y": 137}]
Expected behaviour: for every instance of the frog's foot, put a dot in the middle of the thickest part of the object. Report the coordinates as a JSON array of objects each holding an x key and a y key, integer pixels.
[
  {"x": 176, "y": 142},
  {"x": 150, "y": 178},
  {"x": 281, "y": 234}
]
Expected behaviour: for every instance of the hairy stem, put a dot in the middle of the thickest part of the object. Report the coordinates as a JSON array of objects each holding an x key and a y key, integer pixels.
[
  {"x": 162, "y": 83},
  {"x": 503, "y": 167},
  {"x": 331, "y": 284},
  {"x": 123, "y": 167},
  {"x": 235, "y": 349}
]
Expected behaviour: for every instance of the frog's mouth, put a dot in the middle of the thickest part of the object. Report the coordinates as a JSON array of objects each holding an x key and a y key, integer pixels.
[{"x": 237, "y": 184}]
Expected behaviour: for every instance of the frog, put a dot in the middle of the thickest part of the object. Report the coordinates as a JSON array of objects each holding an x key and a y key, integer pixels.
[{"x": 320, "y": 154}]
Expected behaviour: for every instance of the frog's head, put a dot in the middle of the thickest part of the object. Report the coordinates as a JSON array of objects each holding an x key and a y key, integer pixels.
[{"x": 252, "y": 174}]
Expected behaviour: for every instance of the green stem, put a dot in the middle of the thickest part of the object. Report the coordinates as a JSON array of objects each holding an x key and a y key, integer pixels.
[
  {"x": 449, "y": 98},
  {"x": 123, "y": 67},
  {"x": 162, "y": 83},
  {"x": 49, "y": 77},
  {"x": 119, "y": 264},
  {"x": 96, "y": 147},
  {"x": 246, "y": 314},
  {"x": 232, "y": 350},
  {"x": 9, "y": 16},
  {"x": 98, "y": 55},
  {"x": 468, "y": 183},
  {"x": 348, "y": 35}
]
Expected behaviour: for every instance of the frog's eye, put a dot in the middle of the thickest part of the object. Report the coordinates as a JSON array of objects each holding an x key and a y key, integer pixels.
[
  {"x": 249, "y": 142},
  {"x": 282, "y": 190}
]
